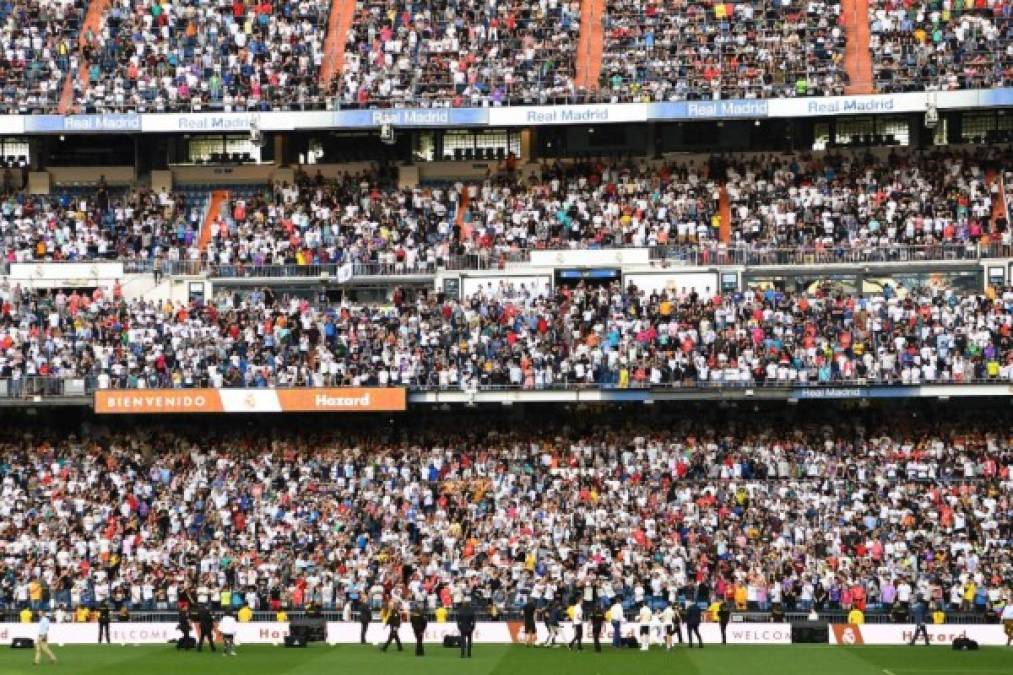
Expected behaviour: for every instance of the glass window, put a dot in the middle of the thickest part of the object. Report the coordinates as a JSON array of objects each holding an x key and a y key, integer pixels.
[
  {"x": 223, "y": 150},
  {"x": 14, "y": 152},
  {"x": 480, "y": 144}
]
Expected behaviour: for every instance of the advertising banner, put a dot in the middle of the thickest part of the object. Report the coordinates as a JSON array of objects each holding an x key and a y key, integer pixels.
[
  {"x": 901, "y": 633},
  {"x": 138, "y": 633},
  {"x": 161, "y": 401},
  {"x": 513, "y": 631}
]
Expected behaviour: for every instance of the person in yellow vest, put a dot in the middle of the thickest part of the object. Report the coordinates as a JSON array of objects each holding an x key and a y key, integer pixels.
[
  {"x": 441, "y": 615},
  {"x": 281, "y": 616},
  {"x": 856, "y": 617},
  {"x": 712, "y": 611},
  {"x": 81, "y": 615},
  {"x": 245, "y": 614},
  {"x": 25, "y": 616},
  {"x": 938, "y": 616}
]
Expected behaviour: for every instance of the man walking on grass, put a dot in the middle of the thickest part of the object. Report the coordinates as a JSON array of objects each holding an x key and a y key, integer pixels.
[{"x": 42, "y": 640}]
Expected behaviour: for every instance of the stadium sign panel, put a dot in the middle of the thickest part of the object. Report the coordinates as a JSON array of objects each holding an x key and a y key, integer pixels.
[
  {"x": 185, "y": 401},
  {"x": 902, "y": 633},
  {"x": 503, "y": 116}
]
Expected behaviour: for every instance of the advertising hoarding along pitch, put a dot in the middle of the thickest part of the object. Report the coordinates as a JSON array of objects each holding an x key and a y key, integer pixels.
[{"x": 163, "y": 401}]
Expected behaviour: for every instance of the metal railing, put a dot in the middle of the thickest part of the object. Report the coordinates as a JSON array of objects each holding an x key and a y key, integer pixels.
[
  {"x": 514, "y": 613},
  {"x": 684, "y": 255},
  {"x": 41, "y": 386}
]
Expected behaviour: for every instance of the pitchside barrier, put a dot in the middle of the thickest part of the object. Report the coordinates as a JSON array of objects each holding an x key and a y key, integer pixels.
[
  {"x": 511, "y": 632},
  {"x": 901, "y": 633},
  {"x": 349, "y": 632}
]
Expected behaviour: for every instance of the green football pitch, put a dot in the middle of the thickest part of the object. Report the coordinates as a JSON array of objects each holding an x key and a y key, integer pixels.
[{"x": 519, "y": 660}]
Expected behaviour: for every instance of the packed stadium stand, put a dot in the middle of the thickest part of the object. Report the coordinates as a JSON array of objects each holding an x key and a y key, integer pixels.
[{"x": 312, "y": 309}]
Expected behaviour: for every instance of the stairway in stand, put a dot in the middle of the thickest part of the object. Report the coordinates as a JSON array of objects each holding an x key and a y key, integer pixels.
[
  {"x": 857, "y": 57},
  {"x": 92, "y": 24},
  {"x": 590, "y": 44}
]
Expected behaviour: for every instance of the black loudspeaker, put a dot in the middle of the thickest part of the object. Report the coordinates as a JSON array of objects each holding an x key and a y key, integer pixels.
[
  {"x": 22, "y": 643},
  {"x": 451, "y": 640},
  {"x": 810, "y": 632},
  {"x": 295, "y": 640},
  {"x": 963, "y": 643}
]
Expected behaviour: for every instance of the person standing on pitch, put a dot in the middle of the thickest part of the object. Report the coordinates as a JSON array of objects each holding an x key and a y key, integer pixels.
[
  {"x": 668, "y": 625},
  {"x": 552, "y": 619},
  {"x": 365, "y": 616},
  {"x": 919, "y": 611},
  {"x": 693, "y": 624},
  {"x": 597, "y": 621},
  {"x": 724, "y": 616},
  {"x": 419, "y": 623},
  {"x": 616, "y": 617},
  {"x": 205, "y": 628},
  {"x": 104, "y": 619},
  {"x": 578, "y": 627},
  {"x": 466, "y": 626},
  {"x": 392, "y": 618},
  {"x": 530, "y": 629},
  {"x": 1007, "y": 622},
  {"x": 228, "y": 629},
  {"x": 644, "y": 617},
  {"x": 184, "y": 630},
  {"x": 42, "y": 640}
]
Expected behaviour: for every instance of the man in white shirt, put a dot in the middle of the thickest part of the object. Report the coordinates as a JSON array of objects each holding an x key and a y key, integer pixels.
[
  {"x": 644, "y": 618},
  {"x": 1007, "y": 622},
  {"x": 42, "y": 640},
  {"x": 668, "y": 625},
  {"x": 228, "y": 628},
  {"x": 578, "y": 627},
  {"x": 616, "y": 617}
]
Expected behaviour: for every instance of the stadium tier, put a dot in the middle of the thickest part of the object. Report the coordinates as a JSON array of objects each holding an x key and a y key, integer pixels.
[
  {"x": 799, "y": 515},
  {"x": 831, "y": 204},
  {"x": 523, "y": 338}
]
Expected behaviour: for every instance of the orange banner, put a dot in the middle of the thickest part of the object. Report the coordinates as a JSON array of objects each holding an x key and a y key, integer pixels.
[
  {"x": 161, "y": 401},
  {"x": 342, "y": 400}
]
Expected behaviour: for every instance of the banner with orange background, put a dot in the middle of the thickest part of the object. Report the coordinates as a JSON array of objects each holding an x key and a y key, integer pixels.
[{"x": 187, "y": 401}]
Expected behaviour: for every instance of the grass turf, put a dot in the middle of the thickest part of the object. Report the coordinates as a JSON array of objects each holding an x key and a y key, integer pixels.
[{"x": 519, "y": 660}]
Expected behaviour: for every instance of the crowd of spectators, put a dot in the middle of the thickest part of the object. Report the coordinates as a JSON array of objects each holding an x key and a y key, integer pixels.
[
  {"x": 833, "y": 202},
  {"x": 940, "y": 46},
  {"x": 440, "y": 53},
  {"x": 99, "y": 223},
  {"x": 864, "y": 200},
  {"x": 38, "y": 49},
  {"x": 198, "y": 56},
  {"x": 513, "y": 336},
  {"x": 687, "y": 51},
  {"x": 826, "y": 515}
]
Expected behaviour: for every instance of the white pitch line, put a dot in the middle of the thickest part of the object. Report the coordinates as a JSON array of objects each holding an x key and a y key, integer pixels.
[{"x": 888, "y": 672}]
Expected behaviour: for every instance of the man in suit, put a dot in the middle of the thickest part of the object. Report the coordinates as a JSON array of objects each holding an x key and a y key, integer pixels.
[
  {"x": 693, "y": 623},
  {"x": 419, "y": 623},
  {"x": 104, "y": 619},
  {"x": 392, "y": 617},
  {"x": 597, "y": 622},
  {"x": 365, "y": 616},
  {"x": 466, "y": 626},
  {"x": 184, "y": 630},
  {"x": 205, "y": 628},
  {"x": 724, "y": 616}
]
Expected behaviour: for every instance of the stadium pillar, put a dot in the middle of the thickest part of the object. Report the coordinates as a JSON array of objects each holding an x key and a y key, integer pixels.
[{"x": 528, "y": 139}]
